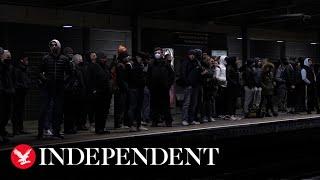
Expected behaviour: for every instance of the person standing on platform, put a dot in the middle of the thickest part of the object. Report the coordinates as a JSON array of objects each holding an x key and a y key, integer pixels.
[
  {"x": 22, "y": 85},
  {"x": 309, "y": 78},
  {"x": 136, "y": 84},
  {"x": 160, "y": 78},
  {"x": 53, "y": 68},
  {"x": 267, "y": 83},
  {"x": 7, "y": 92},
  {"x": 75, "y": 91}
]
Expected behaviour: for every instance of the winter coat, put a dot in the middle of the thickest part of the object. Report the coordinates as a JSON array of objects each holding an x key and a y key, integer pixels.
[
  {"x": 160, "y": 76},
  {"x": 267, "y": 80}
]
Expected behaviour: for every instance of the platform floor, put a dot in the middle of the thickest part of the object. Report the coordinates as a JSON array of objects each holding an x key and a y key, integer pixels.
[{"x": 219, "y": 124}]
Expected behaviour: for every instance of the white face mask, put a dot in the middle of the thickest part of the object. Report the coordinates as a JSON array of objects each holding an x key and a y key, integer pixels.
[{"x": 157, "y": 55}]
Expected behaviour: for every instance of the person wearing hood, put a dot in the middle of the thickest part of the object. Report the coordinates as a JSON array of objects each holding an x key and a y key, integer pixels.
[
  {"x": 233, "y": 87},
  {"x": 7, "y": 92},
  {"x": 160, "y": 78},
  {"x": 22, "y": 85},
  {"x": 267, "y": 83},
  {"x": 53, "y": 69},
  {"x": 221, "y": 76},
  {"x": 309, "y": 79}
]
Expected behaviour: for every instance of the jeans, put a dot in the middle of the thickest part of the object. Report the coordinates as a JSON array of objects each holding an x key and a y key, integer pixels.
[
  {"x": 52, "y": 100},
  {"x": 146, "y": 105},
  {"x": 135, "y": 105},
  {"x": 186, "y": 103},
  {"x": 248, "y": 97}
]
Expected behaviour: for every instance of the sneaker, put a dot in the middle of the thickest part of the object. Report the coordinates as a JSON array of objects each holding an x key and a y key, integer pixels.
[
  {"x": 195, "y": 123},
  {"x": 205, "y": 120},
  {"x": 233, "y": 118},
  {"x": 124, "y": 127},
  {"x": 142, "y": 128},
  {"x": 185, "y": 123},
  {"x": 92, "y": 128},
  {"x": 47, "y": 132},
  {"x": 132, "y": 129},
  {"x": 211, "y": 119},
  {"x": 227, "y": 117}
]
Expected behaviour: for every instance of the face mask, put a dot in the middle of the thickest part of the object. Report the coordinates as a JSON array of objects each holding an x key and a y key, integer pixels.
[{"x": 157, "y": 56}]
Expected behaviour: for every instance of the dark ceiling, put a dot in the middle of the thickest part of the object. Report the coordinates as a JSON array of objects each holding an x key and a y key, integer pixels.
[{"x": 274, "y": 14}]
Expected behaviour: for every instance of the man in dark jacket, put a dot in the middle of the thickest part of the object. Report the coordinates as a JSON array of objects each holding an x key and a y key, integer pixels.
[
  {"x": 120, "y": 76},
  {"x": 233, "y": 87},
  {"x": 136, "y": 83},
  {"x": 53, "y": 69},
  {"x": 22, "y": 85},
  {"x": 193, "y": 78},
  {"x": 160, "y": 78},
  {"x": 98, "y": 91},
  {"x": 7, "y": 91}
]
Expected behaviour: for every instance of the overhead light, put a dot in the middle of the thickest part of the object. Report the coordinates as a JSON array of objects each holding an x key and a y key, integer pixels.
[
  {"x": 280, "y": 41},
  {"x": 313, "y": 43},
  {"x": 239, "y": 38},
  {"x": 67, "y": 26}
]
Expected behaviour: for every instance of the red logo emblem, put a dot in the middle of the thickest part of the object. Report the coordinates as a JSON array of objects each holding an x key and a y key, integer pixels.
[{"x": 23, "y": 156}]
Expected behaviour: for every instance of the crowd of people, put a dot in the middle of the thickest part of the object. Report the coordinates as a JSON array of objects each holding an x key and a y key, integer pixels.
[{"x": 76, "y": 91}]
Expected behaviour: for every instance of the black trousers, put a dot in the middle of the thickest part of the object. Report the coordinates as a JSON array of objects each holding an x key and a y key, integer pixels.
[
  {"x": 73, "y": 112},
  {"x": 312, "y": 101},
  {"x": 135, "y": 106},
  {"x": 221, "y": 107},
  {"x": 267, "y": 100},
  {"x": 52, "y": 103},
  {"x": 120, "y": 108},
  {"x": 89, "y": 108},
  {"x": 19, "y": 110},
  {"x": 100, "y": 107},
  {"x": 231, "y": 100},
  {"x": 292, "y": 98},
  {"x": 208, "y": 102},
  {"x": 5, "y": 111},
  {"x": 160, "y": 105}
]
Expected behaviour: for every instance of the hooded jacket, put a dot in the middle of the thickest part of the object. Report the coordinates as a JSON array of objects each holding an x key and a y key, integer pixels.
[
  {"x": 307, "y": 73},
  {"x": 53, "y": 69},
  {"x": 222, "y": 72},
  {"x": 267, "y": 80}
]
